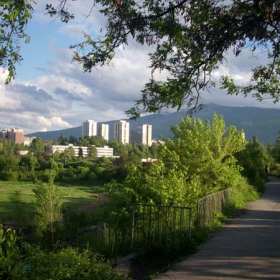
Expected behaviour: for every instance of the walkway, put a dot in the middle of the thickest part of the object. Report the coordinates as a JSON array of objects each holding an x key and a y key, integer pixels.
[{"x": 246, "y": 248}]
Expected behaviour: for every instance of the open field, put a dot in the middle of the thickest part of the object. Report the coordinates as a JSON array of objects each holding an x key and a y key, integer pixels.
[{"x": 72, "y": 195}]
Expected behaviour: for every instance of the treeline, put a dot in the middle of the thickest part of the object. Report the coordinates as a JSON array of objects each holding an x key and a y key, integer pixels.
[
  {"x": 190, "y": 150},
  {"x": 40, "y": 164}
]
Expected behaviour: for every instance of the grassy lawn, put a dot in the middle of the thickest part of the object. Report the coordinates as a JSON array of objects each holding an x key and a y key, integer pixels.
[{"x": 72, "y": 195}]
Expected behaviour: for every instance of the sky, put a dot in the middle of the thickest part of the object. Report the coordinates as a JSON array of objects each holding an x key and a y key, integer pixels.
[{"x": 51, "y": 92}]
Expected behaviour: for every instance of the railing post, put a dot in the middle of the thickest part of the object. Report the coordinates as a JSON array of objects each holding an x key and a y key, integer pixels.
[
  {"x": 132, "y": 226},
  {"x": 190, "y": 223}
]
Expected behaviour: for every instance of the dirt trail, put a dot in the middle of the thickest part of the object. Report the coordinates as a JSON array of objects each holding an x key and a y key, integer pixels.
[{"x": 93, "y": 205}]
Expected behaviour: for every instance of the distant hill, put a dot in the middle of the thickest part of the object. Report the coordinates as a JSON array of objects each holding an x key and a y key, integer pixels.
[{"x": 261, "y": 122}]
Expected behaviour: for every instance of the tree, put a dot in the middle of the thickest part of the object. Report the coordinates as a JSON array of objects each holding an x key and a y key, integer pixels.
[
  {"x": 98, "y": 141},
  {"x": 28, "y": 163},
  {"x": 47, "y": 208},
  {"x": 92, "y": 151},
  {"x": 197, "y": 161},
  {"x": 73, "y": 140},
  {"x": 255, "y": 159},
  {"x": 84, "y": 141},
  {"x": 190, "y": 39},
  {"x": 68, "y": 154},
  {"x": 14, "y": 17},
  {"x": 80, "y": 153},
  {"x": 205, "y": 152},
  {"x": 37, "y": 145},
  {"x": 119, "y": 148},
  {"x": 62, "y": 140}
]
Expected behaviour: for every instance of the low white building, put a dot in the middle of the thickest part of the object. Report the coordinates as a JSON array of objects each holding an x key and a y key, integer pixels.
[
  {"x": 28, "y": 140},
  {"x": 101, "y": 151}
]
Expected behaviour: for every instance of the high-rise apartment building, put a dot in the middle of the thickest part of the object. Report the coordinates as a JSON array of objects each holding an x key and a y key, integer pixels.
[
  {"x": 103, "y": 130},
  {"x": 89, "y": 128},
  {"x": 121, "y": 131},
  {"x": 14, "y": 135},
  {"x": 144, "y": 134}
]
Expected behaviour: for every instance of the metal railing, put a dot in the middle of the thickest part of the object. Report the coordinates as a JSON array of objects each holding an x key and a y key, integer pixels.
[
  {"x": 156, "y": 225},
  {"x": 208, "y": 206}
]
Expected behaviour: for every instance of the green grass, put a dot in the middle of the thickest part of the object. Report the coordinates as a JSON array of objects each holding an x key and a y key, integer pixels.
[{"x": 72, "y": 195}]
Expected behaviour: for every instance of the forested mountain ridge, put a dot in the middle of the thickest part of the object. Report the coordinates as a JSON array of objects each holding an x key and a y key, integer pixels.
[{"x": 261, "y": 122}]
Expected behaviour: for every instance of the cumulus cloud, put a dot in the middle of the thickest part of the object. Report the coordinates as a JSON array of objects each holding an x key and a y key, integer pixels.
[{"x": 60, "y": 95}]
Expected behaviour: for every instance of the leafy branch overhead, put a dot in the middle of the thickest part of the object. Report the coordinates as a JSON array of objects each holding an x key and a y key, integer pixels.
[
  {"x": 14, "y": 16},
  {"x": 190, "y": 40}
]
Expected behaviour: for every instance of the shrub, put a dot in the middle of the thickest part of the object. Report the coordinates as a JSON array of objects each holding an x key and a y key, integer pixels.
[
  {"x": 66, "y": 263},
  {"x": 9, "y": 175}
]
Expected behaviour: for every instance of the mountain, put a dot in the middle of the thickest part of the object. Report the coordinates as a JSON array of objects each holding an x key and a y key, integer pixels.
[{"x": 261, "y": 122}]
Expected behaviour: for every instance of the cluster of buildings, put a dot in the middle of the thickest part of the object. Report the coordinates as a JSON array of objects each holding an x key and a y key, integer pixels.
[
  {"x": 142, "y": 135},
  {"x": 122, "y": 133}
]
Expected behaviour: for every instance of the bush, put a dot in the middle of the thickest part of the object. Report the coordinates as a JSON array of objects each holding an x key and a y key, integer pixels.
[
  {"x": 66, "y": 263},
  {"x": 9, "y": 175}
]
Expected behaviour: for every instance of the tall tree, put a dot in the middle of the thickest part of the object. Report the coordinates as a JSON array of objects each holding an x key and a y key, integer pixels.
[
  {"x": 255, "y": 160},
  {"x": 205, "y": 152},
  {"x": 62, "y": 140},
  {"x": 92, "y": 151},
  {"x": 47, "y": 208},
  {"x": 37, "y": 145},
  {"x": 80, "y": 153}
]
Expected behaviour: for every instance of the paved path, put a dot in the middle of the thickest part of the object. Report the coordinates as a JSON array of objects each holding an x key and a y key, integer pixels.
[{"x": 246, "y": 248}]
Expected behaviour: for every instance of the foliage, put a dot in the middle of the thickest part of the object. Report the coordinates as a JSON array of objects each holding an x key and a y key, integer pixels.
[
  {"x": 255, "y": 160},
  {"x": 205, "y": 153},
  {"x": 197, "y": 161},
  {"x": 92, "y": 152},
  {"x": 97, "y": 141},
  {"x": 62, "y": 140},
  {"x": 148, "y": 185},
  {"x": 14, "y": 18},
  {"x": 9, "y": 252},
  {"x": 47, "y": 208},
  {"x": 37, "y": 145},
  {"x": 276, "y": 150},
  {"x": 66, "y": 263},
  {"x": 80, "y": 153},
  {"x": 28, "y": 164},
  {"x": 189, "y": 40}
]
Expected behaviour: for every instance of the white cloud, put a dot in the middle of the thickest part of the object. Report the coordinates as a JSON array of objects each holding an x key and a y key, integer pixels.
[{"x": 60, "y": 95}]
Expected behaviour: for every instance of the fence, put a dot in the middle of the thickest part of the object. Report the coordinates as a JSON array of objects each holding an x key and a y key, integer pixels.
[
  {"x": 164, "y": 226},
  {"x": 167, "y": 227},
  {"x": 211, "y": 204}
]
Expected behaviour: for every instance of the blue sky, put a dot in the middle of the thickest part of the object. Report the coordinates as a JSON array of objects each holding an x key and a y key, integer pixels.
[{"x": 51, "y": 93}]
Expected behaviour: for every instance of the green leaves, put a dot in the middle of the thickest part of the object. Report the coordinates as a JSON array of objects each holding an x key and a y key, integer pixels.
[
  {"x": 48, "y": 205},
  {"x": 9, "y": 252},
  {"x": 14, "y": 16},
  {"x": 189, "y": 39},
  {"x": 205, "y": 153}
]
